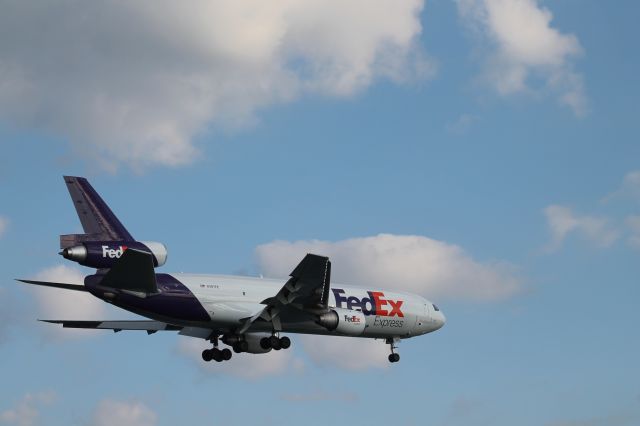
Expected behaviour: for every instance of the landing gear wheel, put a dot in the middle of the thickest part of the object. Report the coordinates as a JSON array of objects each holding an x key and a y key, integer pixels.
[
  {"x": 276, "y": 345},
  {"x": 392, "y": 342},
  {"x": 217, "y": 355},
  {"x": 236, "y": 347},
  {"x": 226, "y": 354},
  {"x": 285, "y": 342},
  {"x": 265, "y": 343},
  {"x": 275, "y": 342},
  {"x": 207, "y": 355}
]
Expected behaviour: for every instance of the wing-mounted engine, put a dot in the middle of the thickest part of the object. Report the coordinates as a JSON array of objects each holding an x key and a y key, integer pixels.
[
  {"x": 104, "y": 254},
  {"x": 345, "y": 321}
]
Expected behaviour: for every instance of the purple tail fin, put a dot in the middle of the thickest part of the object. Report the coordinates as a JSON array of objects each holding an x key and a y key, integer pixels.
[{"x": 98, "y": 221}]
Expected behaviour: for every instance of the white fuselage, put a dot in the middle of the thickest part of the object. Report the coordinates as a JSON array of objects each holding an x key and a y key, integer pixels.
[{"x": 229, "y": 300}]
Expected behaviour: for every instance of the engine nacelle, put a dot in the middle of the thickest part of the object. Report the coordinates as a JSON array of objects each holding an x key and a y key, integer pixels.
[
  {"x": 252, "y": 339},
  {"x": 104, "y": 254},
  {"x": 344, "y": 321}
]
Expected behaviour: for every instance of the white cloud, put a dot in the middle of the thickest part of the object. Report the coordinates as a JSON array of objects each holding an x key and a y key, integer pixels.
[
  {"x": 346, "y": 352},
  {"x": 630, "y": 187},
  {"x": 136, "y": 82},
  {"x": 523, "y": 47},
  {"x": 633, "y": 222},
  {"x": 26, "y": 411},
  {"x": 111, "y": 412},
  {"x": 462, "y": 124},
  {"x": 66, "y": 304},
  {"x": 562, "y": 221},
  {"x": 413, "y": 263},
  {"x": 4, "y": 224},
  {"x": 243, "y": 365}
]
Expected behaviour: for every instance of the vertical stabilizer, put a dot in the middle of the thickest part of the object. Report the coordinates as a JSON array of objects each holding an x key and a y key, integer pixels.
[{"x": 98, "y": 221}]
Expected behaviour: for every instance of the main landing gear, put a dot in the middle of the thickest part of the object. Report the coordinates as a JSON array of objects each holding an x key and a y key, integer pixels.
[
  {"x": 275, "y": 342},
  {"x": 393, "y": 357},
  {"x": 216, "y": 354}
]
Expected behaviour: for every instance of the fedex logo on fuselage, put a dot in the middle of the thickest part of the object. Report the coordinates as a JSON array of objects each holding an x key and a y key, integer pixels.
[
  {"x": 352, "y": 318},
  {"x": 113, "y": 253},
  {"x": 375, "y": 304}
]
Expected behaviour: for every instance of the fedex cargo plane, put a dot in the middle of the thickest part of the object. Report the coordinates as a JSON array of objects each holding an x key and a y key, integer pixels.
[{"x": 245, "y": 313}]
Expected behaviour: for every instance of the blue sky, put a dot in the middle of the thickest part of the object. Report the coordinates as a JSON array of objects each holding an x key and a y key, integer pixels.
[{"x": 483, "y": 152}]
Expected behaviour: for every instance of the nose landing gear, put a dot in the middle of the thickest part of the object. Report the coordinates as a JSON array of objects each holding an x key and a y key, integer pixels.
[{"x": 393, "y": 357}]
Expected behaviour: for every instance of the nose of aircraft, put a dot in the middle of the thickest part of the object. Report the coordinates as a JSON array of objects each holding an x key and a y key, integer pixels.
[{"x": 441, "y": 319}]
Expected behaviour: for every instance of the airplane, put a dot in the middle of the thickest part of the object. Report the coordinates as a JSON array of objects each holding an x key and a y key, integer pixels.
[{"x": 248, "y": 314}]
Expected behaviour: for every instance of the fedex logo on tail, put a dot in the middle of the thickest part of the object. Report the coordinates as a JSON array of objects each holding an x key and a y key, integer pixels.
[
  {"x": 113, "y": 253},
  {"x": 375, "y": 304}
]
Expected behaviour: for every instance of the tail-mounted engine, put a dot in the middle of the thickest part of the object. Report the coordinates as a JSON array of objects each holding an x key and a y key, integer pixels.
[
  {"x": 344, "y": 321},
  {"x": 103, "y": 254}
]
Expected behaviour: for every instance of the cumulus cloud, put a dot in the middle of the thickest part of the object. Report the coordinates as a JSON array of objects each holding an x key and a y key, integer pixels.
[
  {"x": 402, "y": 262},
  {"x": 630, "y": 187},
  {"x": 4, "y": 224},
  {"x": 136, "y": 82},
  {"x": 633, "y": 222},
  {"x": 523, "y": 47},
  {"x": 27, "y": 411},
  {"x": 111, "y": 412},
  {"x": 346, "y": 352},
  {"x": 66, "y": 304},
  {"x": 562, "y": 221},
  {"x": 243, "y": 365}
]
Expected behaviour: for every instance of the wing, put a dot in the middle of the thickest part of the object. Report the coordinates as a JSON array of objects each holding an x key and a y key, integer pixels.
[
  {"x": 307, "y": 290},
  {"x": 148, "y": 326},
  {"x": 308, "y": 285},
  {"x": 140, "y": 325}
]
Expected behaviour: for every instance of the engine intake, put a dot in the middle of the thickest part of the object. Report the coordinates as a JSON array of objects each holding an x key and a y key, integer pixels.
[{"x": 344, "y": 321}]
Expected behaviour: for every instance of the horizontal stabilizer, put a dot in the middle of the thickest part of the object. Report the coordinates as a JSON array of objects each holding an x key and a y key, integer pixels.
[
  {"x": 77, "y": 287},
  {"x": 133, "y": 272}
]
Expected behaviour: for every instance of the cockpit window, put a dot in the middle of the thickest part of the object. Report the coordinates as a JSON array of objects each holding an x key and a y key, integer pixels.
[{"x": 435, "y": 308}]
